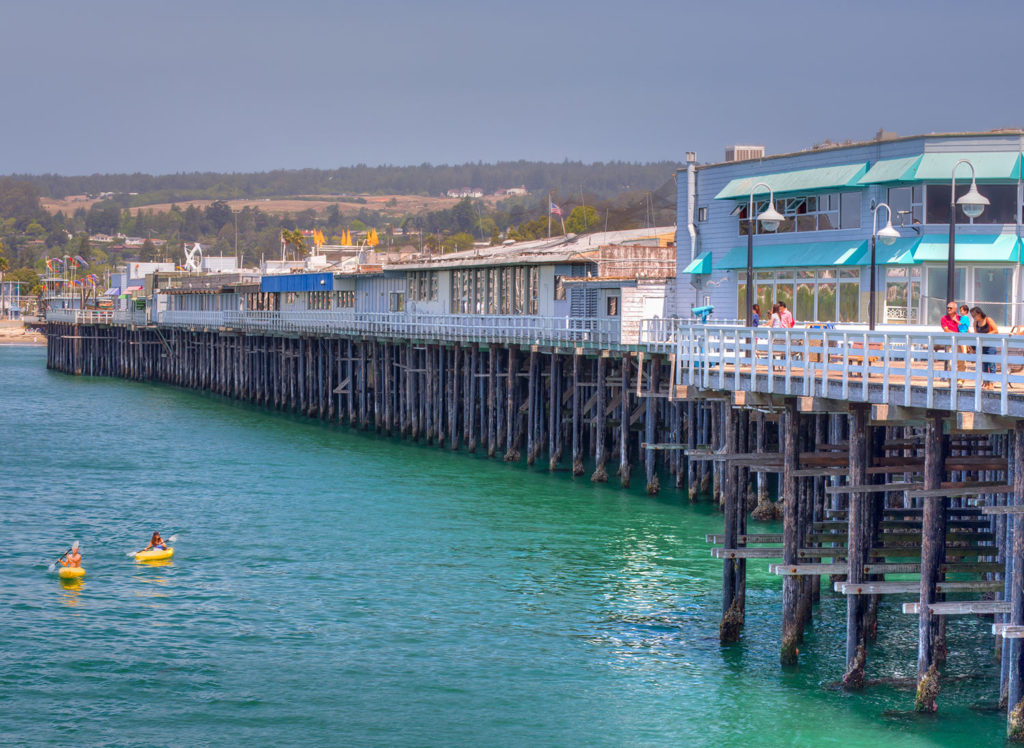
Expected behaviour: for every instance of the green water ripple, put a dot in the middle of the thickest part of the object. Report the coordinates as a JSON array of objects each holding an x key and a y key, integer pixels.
[{"x": 334, "y": 588}]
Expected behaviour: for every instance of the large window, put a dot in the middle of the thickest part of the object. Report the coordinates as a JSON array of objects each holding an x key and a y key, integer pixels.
[
  {"x": 824, "y": 212},
  {"x": 421, "y": 285},
  {"x": 1002, "y": 207},
  {"x": 812, "y": 294},
  {"x": 987, "y": 286},
  {"x": 902, "y": 294},
  {"x": 505, "y": 290},
  {"x": 907, "y": 204}
]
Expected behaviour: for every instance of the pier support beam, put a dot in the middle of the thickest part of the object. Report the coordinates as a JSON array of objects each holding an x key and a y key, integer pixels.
[
  {"x": 790, "y": 427},
  {"x": 1015, "y": 716},
  {"x": 858, "y": 545},
  {"x": 732, "y": 598},
  {"x": 577, "y": 450},
  {"x": 933, "y": 545},
  {"x": 650, "y": 428},
  {"x": 600, "y": 437}
]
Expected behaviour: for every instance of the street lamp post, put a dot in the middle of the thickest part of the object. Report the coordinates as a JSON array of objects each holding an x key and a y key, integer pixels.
[
  {"x": 770, "y": 219},
  {"x": 888, "y": 235},
  {"x": 973, "y": 204}
]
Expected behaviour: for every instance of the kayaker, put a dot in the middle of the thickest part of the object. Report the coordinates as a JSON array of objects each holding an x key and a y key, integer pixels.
[
  {"x": 156, "y": 543},
  {"x": 73, "y": 558}
]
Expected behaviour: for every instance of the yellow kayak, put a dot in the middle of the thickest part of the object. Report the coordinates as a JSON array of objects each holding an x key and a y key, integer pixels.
[
  {"x": 67, "y": 572},
  {"x": 154, "y": 555}
]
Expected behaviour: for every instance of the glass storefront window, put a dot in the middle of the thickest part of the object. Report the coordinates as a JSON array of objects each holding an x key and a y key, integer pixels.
[
  {"x": 849, "y": 302},
  {"x": 827, "y": 301},
  {"x": 805, "y": 301},
  {"x": 993, "y": 288}
]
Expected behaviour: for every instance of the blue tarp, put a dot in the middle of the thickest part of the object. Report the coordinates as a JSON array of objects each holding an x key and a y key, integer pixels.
[
  {"x": 297, "y": 282},
  {"x": 113, "y": 291}
]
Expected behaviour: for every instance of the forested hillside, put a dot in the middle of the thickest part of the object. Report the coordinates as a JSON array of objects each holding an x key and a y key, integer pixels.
[{"x": 568, "y": 177}]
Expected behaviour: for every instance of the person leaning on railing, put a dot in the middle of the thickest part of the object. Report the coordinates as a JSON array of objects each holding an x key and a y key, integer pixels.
[
  {"x": 950, "y": 322},
  {"x": 985, "y": 325}
]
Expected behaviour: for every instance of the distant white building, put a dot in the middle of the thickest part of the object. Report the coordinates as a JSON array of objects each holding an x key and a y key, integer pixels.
[{"x": 465, "y": 193}]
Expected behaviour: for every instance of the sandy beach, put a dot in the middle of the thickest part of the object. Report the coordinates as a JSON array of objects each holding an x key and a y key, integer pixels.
[{"x": 14, "y": 332}]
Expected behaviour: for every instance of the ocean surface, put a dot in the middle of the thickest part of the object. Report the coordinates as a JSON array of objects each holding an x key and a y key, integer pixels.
[{"x": 337, "y": 588}]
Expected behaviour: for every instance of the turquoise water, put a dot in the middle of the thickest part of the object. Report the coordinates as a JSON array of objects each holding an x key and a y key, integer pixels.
[{"x": 332, "y": 588}]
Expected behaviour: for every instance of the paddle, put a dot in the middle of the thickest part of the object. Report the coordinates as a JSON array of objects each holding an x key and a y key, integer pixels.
[
  {"x": 62, "y": 556},
  {"x": 172, "y": 539}
]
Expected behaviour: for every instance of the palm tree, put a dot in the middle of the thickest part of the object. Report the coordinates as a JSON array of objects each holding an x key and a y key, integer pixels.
[{"x": 294, "y": 239}]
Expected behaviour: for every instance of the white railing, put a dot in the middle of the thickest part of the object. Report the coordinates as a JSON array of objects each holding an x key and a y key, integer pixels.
[
  {"x": 97, "y": 316},
  {"x": 80, "y": 316},
  {"x": 130, "y": 317},
  {"x": 447, "y": 327},
  {"x": 921, "y": 369}
]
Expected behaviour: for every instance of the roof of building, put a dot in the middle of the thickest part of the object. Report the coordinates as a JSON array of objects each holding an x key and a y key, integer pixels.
[
  {"x": 862, "y": 143},
  {"x": 539, "y": 251}
]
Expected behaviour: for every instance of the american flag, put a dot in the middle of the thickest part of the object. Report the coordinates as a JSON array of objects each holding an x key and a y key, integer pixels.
[{"x": 554, "y": 209}]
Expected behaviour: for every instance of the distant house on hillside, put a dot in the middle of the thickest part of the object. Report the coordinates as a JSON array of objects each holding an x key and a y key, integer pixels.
[
  {"x": 465, "y": 192},
  {"x": 514, "y": 192}
]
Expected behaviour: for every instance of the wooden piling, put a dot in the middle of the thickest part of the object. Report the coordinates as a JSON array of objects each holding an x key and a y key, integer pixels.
[
  {"x": 600, "y": 437},
  {"x": 790, "y": 533},
  {"x": 933, "y": 544},
  {"x": 732, "y": 605},
  {"x": 858, "y": 545},
  {"x": 1015, "y": 684}
]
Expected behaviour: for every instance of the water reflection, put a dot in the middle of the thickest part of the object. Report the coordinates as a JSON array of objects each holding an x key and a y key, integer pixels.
[{"x": 71, "y": 590}]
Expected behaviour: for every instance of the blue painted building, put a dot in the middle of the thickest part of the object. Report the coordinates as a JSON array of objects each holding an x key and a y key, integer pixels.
[{"x": 818, "y": 260}]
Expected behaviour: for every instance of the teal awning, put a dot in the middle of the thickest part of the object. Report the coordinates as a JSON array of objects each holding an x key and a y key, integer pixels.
[
  {"x": 892, "y": 170},
  {"x": 700, "y": 265},
  {"x": 805, "y": 254},
  {"x": 900, "y": 252},
  {"x": 938, "y": 167},
  {"x": 969, "y": 248},
  {"x": 801, "y": 180}
]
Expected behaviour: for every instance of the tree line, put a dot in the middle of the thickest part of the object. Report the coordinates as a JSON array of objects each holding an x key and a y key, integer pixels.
[{"x": 603, "y": 179}]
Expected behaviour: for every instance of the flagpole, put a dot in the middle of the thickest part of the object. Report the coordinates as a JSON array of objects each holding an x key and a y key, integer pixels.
[{"x": 549, "y": 214}]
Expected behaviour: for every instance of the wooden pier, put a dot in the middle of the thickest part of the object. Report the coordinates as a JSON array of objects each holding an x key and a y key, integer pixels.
[{"x": 901, "y": 463}]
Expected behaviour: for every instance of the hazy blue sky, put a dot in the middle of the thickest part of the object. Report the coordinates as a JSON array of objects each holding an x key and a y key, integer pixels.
[{"x": 130, "y": 85}]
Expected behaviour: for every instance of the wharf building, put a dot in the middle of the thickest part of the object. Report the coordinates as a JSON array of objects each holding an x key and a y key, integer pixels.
[
  {"x": 897, "y": 451},
  {"x": 817, "y": 261}
]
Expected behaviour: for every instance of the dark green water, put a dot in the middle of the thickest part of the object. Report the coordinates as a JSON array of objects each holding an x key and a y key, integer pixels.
[{"x": 332, "y": 588}]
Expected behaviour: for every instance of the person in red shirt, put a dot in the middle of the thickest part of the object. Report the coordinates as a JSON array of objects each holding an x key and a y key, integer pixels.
[
  {"x": 950, "y": 320},
  {"x": 950, "y": 323},
  {"x": 786, "y": 316}
]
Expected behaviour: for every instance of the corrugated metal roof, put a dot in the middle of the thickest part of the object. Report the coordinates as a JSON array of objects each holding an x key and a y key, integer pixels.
[
  {"x": 799, "y": 180},
  {"x": 938, "y": 167},
  {"x": 538, "y": 251},
  {"x": 999, "y": 165},
  {"x": 701, "y": 264},
  {"x": 900, "y": 252},
  {"x": 891, "y": 170},
  {"x": 805, "y": 254},
  {"x": 969, "y": 247}
]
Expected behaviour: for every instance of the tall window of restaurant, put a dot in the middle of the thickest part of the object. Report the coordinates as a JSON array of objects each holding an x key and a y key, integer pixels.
[
  {"x": 989, "y": 286},
  {"x": 902, "y": 294},
  {"x": 1002, "y": 207},
  {"x": 320, "y": 299},
  {"x": 812, "y": 294},
  {"x": 504, "y": 290},
  {"x": 823, "y": 212},
  {"x": 421, "y": 285}
]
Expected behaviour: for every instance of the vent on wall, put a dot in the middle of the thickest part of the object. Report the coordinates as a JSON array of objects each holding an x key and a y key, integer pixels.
[{"x": 743, "y": 152}]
